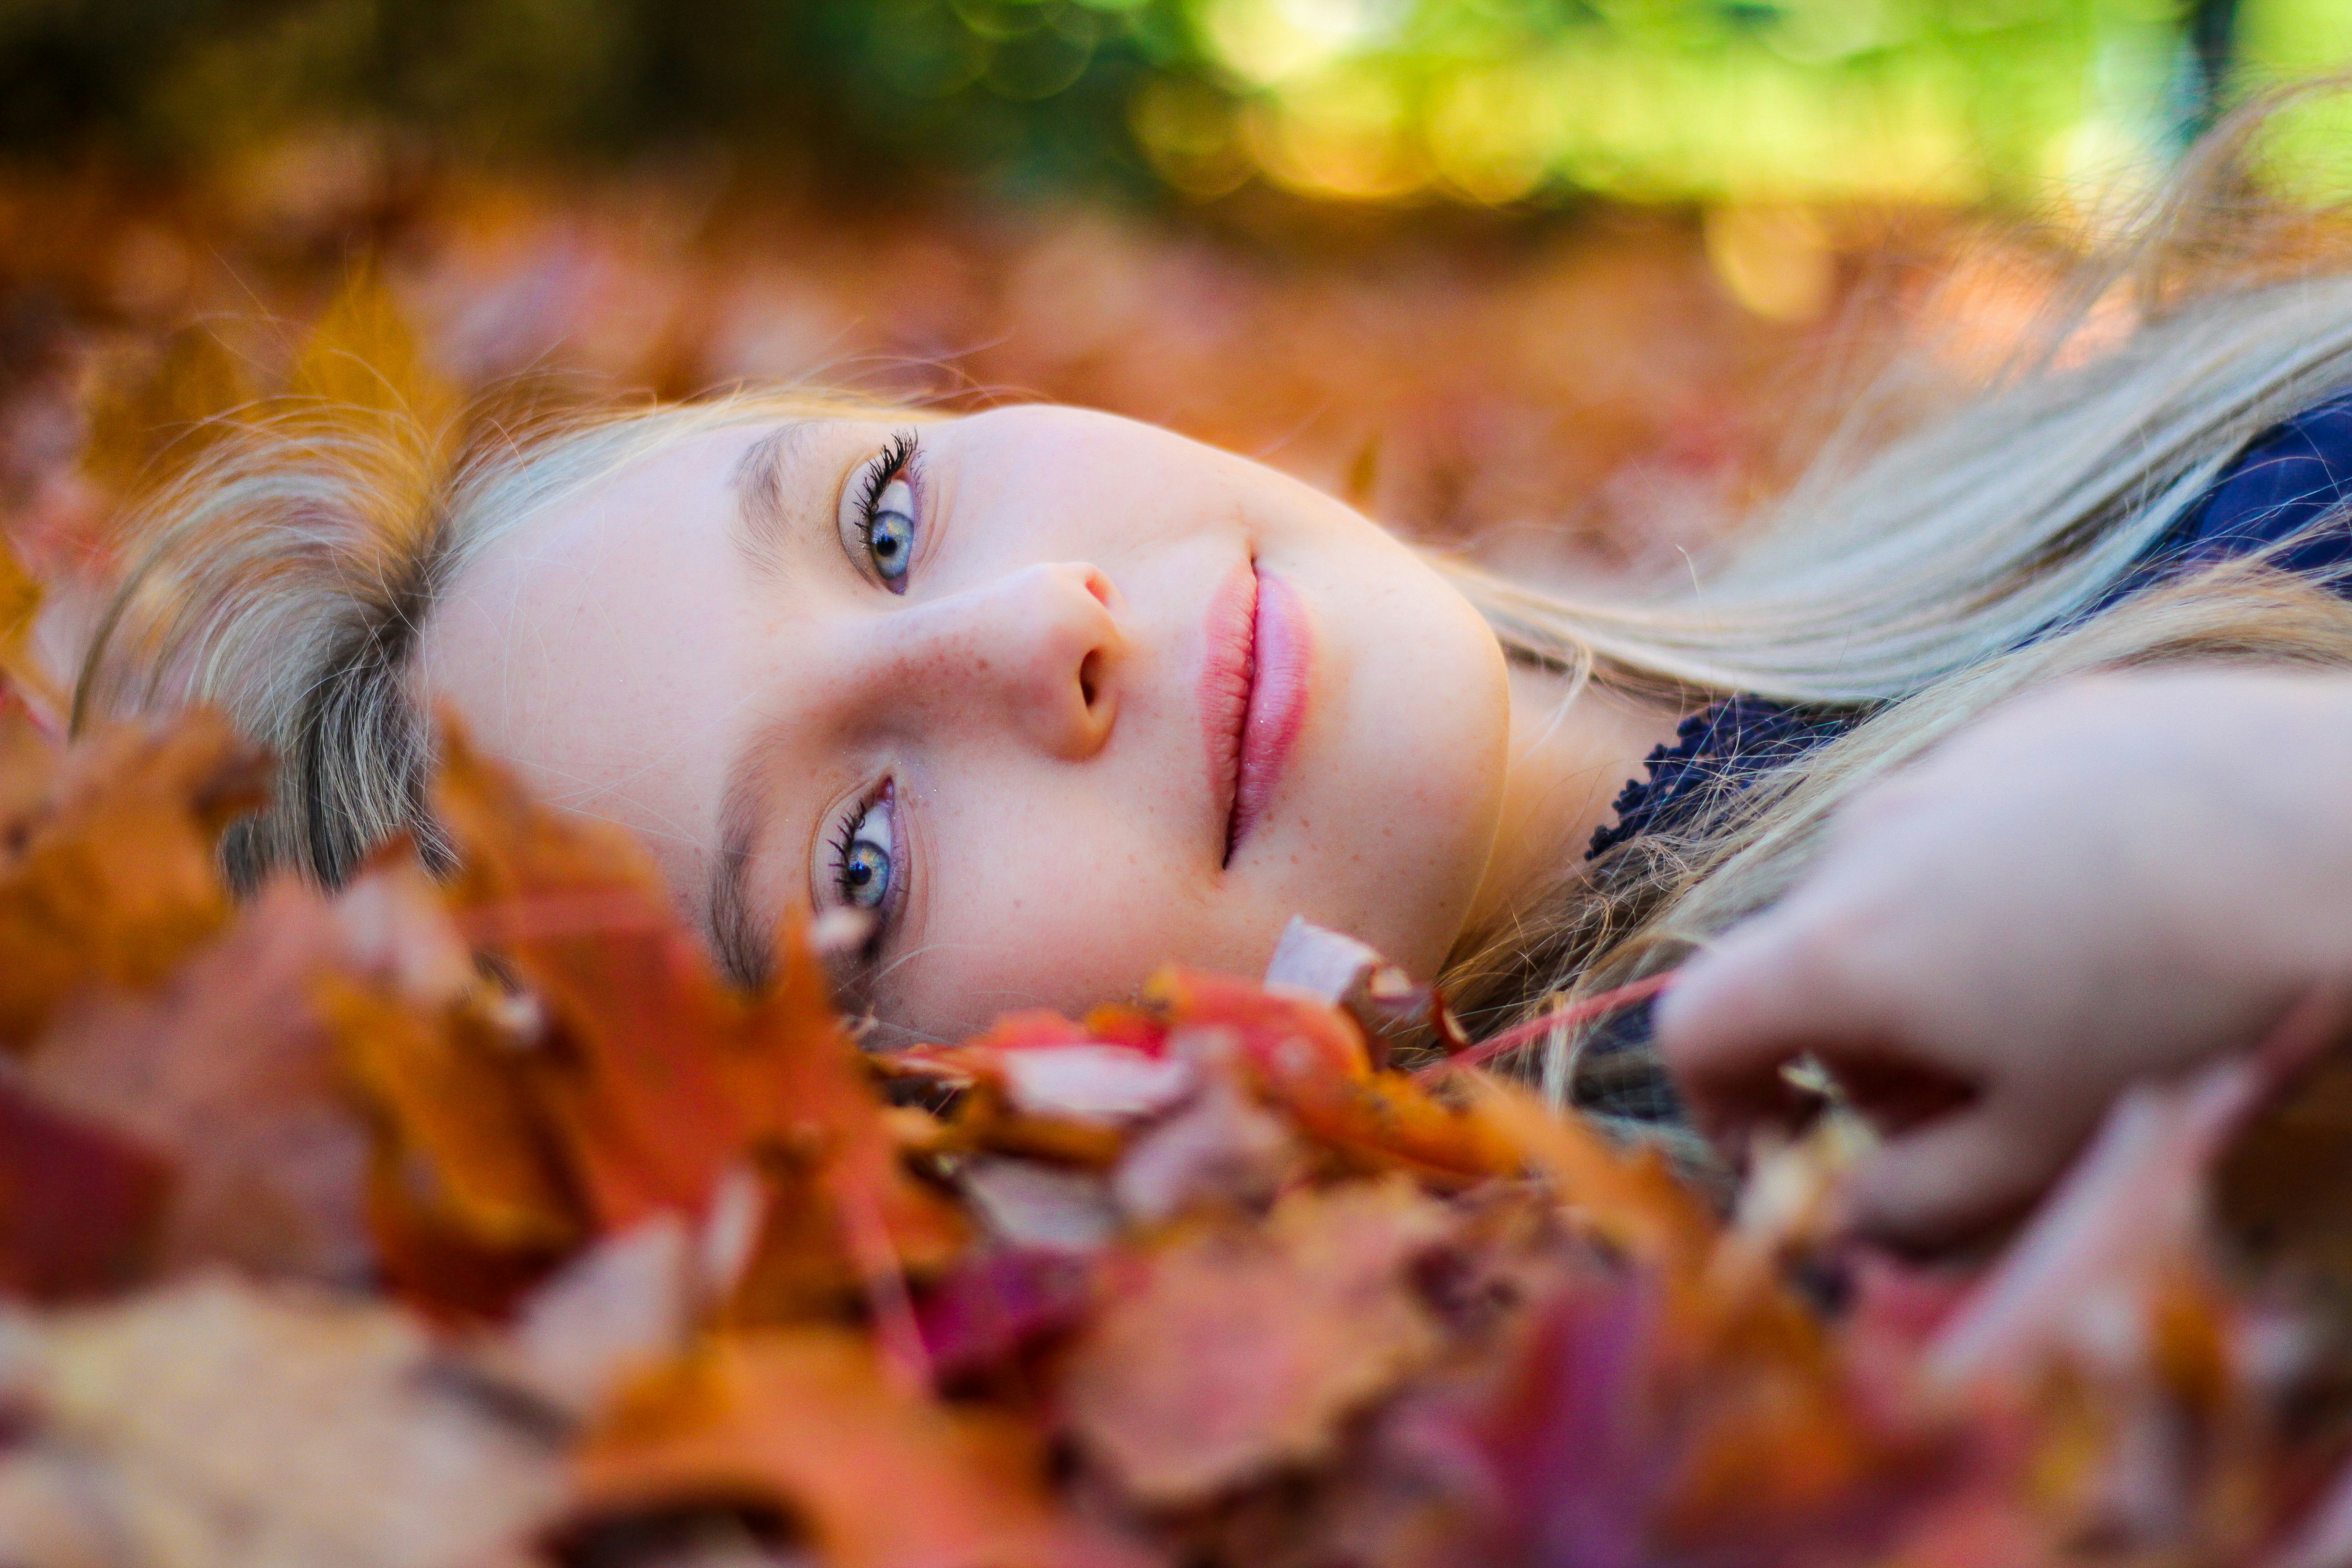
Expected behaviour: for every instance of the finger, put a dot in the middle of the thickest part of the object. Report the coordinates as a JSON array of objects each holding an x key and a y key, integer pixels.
[
  {"x": 1784, "y": 985},
  {"x": 1947, "y": 1183}
]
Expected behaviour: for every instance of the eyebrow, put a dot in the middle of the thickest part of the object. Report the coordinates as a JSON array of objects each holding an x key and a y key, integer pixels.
[
  {"x": 745, "y": 953},
  {"x": 763, "y": 518},
  {"x": 741, "y": 942}
]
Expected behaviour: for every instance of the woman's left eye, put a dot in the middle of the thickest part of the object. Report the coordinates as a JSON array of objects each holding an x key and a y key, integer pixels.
[
  {"x": 865, "y": 854},
  {"x": 877, "y": 520}
]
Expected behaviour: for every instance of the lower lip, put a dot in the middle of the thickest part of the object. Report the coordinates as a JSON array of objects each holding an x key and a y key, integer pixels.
[{"x": 1282, "y": 653}]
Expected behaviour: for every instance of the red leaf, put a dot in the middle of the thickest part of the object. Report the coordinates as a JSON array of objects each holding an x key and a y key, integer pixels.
[{"x": 81, "y": 1208}]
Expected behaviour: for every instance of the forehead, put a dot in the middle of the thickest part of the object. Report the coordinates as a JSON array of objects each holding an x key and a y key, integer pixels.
[{"x": 599, "y": 646}]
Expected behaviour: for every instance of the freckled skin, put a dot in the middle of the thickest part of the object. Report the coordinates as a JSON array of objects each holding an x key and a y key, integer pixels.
[{"x": 620, "y": 653}]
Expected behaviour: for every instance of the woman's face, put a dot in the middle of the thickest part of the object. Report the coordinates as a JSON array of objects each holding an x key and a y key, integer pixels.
[{"x": 1055, "y": 696}]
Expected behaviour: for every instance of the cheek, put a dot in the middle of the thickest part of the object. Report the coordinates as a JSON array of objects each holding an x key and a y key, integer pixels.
[{"x": 1045, "y": 898}]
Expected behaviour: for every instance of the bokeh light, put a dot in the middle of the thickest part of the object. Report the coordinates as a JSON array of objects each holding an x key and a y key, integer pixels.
[{"x": 1477, "y": 101}]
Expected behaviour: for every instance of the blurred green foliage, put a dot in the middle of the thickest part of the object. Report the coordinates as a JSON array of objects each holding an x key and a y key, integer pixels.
[{"x": 1492, "y": 101}]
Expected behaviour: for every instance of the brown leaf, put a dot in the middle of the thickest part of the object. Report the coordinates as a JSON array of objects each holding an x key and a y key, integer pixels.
[
  {"x": 2283, "y": 1190},
  {"x": 876, "y": 1475},
  {"x": 226, "y": 1070},
  {"x": 1231, "y": 1349},
  {"x": 461, "y": 1135},
  {"x": 147, "y": 426},
  {"x": 20, "y": 609},
  {"x": 30, "y": 766},
  {"x": 650, "y": 1082},
  {"x": 1630, "y": 1198},
  {"x": 116, "y": 881},
  {"x": 217, "y": 1424}
]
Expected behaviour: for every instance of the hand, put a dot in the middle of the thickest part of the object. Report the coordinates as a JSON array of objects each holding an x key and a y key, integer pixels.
[{"x": 2116, "y": 877}]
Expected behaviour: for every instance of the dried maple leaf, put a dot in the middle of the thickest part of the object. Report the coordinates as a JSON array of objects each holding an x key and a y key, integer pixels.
[
  {"x": 115, "y": 881},
  {"x": 218, "y": 1425},
  {"x": 20, "y": 609},
  {"x": 1221, "y": 1148},
  {"x": 1387, "y": 1119},
  {"x": 996, "y": 1304},
  {"x": 81, "y": 1206},
  {"x": 147, "y": 426},
  {"x": 1229, "y": 1349},
  {"x": 1286, "y": 1039},
  {"x": 1630, "y": 1198},
  {"x": 362, "y": 360},
  {"x": 647, "y": 1044},
  {"x": 1033, "y": 1027},
  {"x": 650, "y": 1082},
  {"x": 226, "y": 1068},
  {"x": 468, "y": 1196},
  {"x": 626, "y": 1304},
  {"x": 875, "y": 1474}
]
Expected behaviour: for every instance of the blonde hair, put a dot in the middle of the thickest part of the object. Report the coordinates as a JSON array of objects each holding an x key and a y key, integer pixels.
[
  {"x": 287, "y": 573},
  {"x": 1913, "y": 581}
]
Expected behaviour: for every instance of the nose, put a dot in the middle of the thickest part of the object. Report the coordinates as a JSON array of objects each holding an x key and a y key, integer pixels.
[{"x": 1040, "y": 647}]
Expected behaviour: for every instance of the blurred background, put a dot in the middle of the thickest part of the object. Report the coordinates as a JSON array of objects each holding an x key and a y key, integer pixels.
[{"x": 1572, "y": 279}]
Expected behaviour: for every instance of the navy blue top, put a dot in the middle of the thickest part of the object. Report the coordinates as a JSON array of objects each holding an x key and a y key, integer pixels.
[{"x": 2289, "y": 478}]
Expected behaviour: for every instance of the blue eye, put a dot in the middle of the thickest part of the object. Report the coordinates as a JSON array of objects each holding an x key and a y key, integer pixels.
[
  {"x": 864, "y": 854},
  {"x": 891, "y": 531},
  {"x": 877, "y": 514}
]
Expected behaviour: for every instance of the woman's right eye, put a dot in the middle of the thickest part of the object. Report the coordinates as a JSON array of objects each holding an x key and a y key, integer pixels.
[{"x": 878, "y": 509}]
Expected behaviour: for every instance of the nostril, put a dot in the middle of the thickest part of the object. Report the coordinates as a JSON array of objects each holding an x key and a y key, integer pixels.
[{"x": 1089, "y": 678}]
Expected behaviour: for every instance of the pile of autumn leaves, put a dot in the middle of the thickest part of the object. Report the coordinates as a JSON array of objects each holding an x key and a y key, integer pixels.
[{"x": 472, "y": 1223}]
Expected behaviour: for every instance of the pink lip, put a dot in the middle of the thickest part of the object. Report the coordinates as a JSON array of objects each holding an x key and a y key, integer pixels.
[{"x": 1253, "y": 694}]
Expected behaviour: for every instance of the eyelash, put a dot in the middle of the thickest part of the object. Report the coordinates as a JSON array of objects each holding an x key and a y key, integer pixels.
[
  {"x": 843, "y": 843},
  {"x": 844, "y": 838},
  {"x": 895, "y": 461}
]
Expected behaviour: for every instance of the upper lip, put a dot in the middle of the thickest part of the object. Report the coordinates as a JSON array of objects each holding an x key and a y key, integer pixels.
[{"x": 1228, "y": 675}]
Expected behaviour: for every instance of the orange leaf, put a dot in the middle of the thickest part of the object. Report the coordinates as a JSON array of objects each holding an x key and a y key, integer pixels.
[
  {"x": 1285, "y": 1037},
  {"x": 148, "y": 427},
  {"x": 116, "y": 879},
  {"x": 1389, "y": 1119},
  {"x": 20, "y": 608},
  {"x": 1630, "y": 1198},
  {"x": 458, "y": 1123},
  {"x": 811, "y": 1421},
  {"x": 1027, "y": 1029},
  {"x": 634, "y": 1080},
  {"x": 657, "y": 1080}
]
